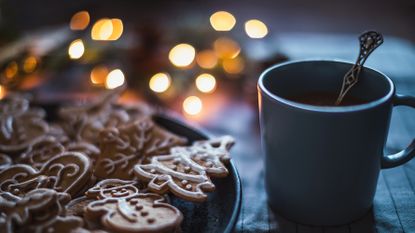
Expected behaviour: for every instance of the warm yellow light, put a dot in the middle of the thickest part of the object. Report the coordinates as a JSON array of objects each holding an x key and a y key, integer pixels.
[
  {"x": 102, "y": 29},
  {"x": 107, "y": 29},
  {"x": 114, "y": 79},
  {"x": 76, "y": 49},
  {"x": 117, "y": 29},
  {"x": 160, "y": 82},
  {"x": 80, "y": 20},
  {"x": 207, "y": 59},
  {"x": 182, "y": 55},
  {"x": 233, "y": 66},
  {"x": 98, "y": 75},
  {"x": 206, "y": 83},
  {"x": 11, "y": 70},
  {"x": 29, "y": 64},
  {"x": 192, "y": 105},
  {"x": 226, "y": 48},
  {"x": 255, "y": 28},
  {"x": 222, "y": 21},
  {"x": 2, "y": 92}
]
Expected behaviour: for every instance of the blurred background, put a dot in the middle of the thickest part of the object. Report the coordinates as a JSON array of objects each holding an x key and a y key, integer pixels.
[{"x": 199, "y": 60}]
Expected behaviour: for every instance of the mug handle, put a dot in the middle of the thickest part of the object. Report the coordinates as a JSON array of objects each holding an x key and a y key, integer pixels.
[{"x": 393, "y": 160}]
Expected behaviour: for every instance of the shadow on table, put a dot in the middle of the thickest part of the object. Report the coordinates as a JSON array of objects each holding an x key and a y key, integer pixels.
[{"x": 283, "y": 225}]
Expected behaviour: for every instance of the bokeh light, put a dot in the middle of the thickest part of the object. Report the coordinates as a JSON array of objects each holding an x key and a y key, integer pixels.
[
  {"x": 107, "y": 29},
  {"x": 98, "y": 75},
  {"x": 206, "y": 83},
  {"x": 102, "y": 29},
  {"x": 256, "y": 29},
  {"x": 233, "y": 66},
  {"x": 206, "y": 59},
  {"x": 226, "y": 48},
  {"x": 222, "y": 21},
  {"x": 80, "y": 20},
  {"x": 182, "y": 55},
  {"x": 160, "y": 82},
  {"x": 115, "y": 79},
  {"x": 11, "y": 70},
  {"x": 192, "y": 105},
  {"x": 76, "y": 49},
  {"x": 2, "y": 92},
  {"x": 117, "y": 29},
  {"x": 30, "y": 64}
]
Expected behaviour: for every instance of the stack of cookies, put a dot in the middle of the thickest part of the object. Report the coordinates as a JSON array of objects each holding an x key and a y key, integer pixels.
[{"x": 99, "y": 167}]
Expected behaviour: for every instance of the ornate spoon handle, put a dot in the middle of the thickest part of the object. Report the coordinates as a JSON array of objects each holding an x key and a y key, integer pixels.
[{"x": 369, "y": 41}]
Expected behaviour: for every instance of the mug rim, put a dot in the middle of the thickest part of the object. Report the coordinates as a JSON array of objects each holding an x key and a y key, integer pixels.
[{"x": 314, "y": 108}]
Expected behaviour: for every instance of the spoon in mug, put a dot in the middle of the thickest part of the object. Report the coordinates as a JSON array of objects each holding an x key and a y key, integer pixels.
[{"x": 369, "y": 41}]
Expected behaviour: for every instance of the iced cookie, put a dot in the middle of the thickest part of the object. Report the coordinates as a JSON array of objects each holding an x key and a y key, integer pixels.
[
  {"x": 123, "y": 147},
  {"x": 20, "y": 125},
  {"x": 40, "y": 210},
  {"x": 186, "y": 171},
  {"x": 67, "y": 172},
  {"x": 119, "y": 207}
]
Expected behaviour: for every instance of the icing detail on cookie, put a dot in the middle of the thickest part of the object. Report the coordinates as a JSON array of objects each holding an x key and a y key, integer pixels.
[
  {"x": 132, "y": 211},
  {"x": 66, "y": 172},
  {"x": 39, "y": 153},
  {"x": 123, "y": 147},
  {"x": 40, "y": 210},
  {"x": 186, "y": 171},
  {"x": 20, "y": 125},
  {"x": 84, "y": 122}
]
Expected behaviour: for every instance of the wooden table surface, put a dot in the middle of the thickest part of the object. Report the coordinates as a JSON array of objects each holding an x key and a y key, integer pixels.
[{"x": 394, "y": 203}]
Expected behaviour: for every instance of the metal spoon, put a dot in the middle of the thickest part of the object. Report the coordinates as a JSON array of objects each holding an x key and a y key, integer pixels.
[{"x": 369, "y": 41}]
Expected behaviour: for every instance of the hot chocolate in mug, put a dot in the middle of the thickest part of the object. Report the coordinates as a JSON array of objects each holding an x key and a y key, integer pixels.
[{"x": 322, "y": 162}]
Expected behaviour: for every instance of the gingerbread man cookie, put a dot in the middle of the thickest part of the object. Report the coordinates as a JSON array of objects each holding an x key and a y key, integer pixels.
[
  {"x": 119, "y": 207},
  {"x": 123, "y": 147},
  {"x": 67, "y": 172},
  {"x": 186, "y": 171}
]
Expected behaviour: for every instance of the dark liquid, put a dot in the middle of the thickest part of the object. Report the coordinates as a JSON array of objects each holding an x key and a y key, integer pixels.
[{"x": 325, "y": 99}]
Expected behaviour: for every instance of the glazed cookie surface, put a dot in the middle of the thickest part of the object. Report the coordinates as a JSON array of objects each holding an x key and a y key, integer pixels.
[
  {"x": 119, "y": 207},
  {"x": 186, "y": 171},
  {"x": 125, "y": 146},
  {"x": 67, "y": 172}
]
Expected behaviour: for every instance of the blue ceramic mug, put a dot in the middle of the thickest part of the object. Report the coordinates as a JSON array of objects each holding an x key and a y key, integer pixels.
[{"x": 322, "y": 163}]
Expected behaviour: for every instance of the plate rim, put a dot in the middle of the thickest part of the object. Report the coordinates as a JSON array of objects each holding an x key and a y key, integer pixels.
[{"x": 234, "y": 172}]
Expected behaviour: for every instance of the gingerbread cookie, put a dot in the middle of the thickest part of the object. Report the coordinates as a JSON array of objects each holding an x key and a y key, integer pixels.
[
  {"x": 185, "y": 172},
  {"x": 119, "y": 207},
  {"x": 67, "y": 172},
  {"x": 123, "y": 147},
  {"x": 47, "y": 148},
  {"x": 76, "y": 207},
  {"x": 84, "y": 122},
  {"x": 86, "y": 148},
  {"x": 39, "y": 153},
  {"x": 20, "y": 125},
  {"x": 41, "y": 210}
]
